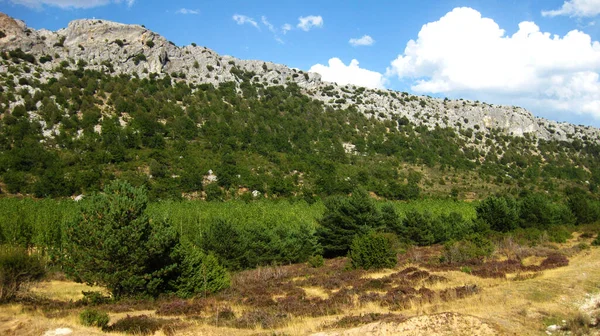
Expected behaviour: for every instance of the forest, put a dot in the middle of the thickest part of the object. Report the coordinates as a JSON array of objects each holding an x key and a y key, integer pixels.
[{"x": 71, "y": 131}]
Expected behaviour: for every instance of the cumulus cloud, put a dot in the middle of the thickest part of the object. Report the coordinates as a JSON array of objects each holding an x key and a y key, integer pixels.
[
  {"x": 336, "y": 71},
  {"x": 286, "y": 28},
  {"x": 186, "y": 11},
  {"x": 306, "y": 23},
  {"x": 579, "y": 8},
  {"x": 366, "y": 40},
  {"x": 468, "y": 55},
  {"x": 69, "y": 3},
  {"x": 243, "y": 19}
]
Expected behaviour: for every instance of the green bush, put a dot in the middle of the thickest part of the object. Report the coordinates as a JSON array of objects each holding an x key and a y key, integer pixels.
[
  {"x": 473, "y": 247},
  {"x": 421, "y": 227},
  {"x": 113, "y": 243},
  {"x": 559, "y": 234},
  {"x": 139, "y": 58},
  {"x": 45, "y": 58},
  {"x": 139, "y": 325},
  {"x": 18, "y": 269},
  {"x": 200, "y": 273},
  {"x": 585, "y": 209},
  {"x": 596, "y": 241},
  {"x": 500, "y": 212},
  {"x": 316, "y": 261},
  {"x": 536, "y": 210},
  {"x": 373, "y": 251},
  {"x": 344, "y": 218},
  {"x": 93, "y": 298},
  {"x": 214, "y": 193},
  {"x": 94, "y": 318}
]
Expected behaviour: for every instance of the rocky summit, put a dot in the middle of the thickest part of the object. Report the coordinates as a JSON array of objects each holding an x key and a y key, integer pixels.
[{"x": 133, "y": 49}]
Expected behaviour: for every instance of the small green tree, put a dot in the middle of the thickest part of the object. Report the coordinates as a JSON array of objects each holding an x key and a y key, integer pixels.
[
  {"x": 18, "y": 268},
  {"x": 471, "y": 248},
  {"x": 373, "y": 251},
  {"x": 201, "y": 274},
  {"x": 344, "y": 218},
  {"x": 114, "y": 244},
  {"x": 420, "y": 227},
  {"x": 500, "y": 212}
]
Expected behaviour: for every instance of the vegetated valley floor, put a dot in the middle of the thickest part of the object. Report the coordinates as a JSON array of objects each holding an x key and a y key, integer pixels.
[{"x": 521, "y": 291}]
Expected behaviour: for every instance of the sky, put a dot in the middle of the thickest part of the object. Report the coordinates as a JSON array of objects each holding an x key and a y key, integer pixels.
[{"x": 543, "y": 55}]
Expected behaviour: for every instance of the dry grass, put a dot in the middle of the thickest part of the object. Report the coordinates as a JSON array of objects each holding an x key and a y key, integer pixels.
[
  {"x": 64, "y": 290},
  {"x": 292, "y": 298}
]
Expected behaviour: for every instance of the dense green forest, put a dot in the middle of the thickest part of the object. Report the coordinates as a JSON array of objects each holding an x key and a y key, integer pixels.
[{"x": 71, "y": 131}]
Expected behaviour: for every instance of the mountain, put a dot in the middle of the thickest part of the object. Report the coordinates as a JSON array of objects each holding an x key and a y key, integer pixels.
[
  {"x": 135, "y": 49},
  {"x": 100, "y": 100}
]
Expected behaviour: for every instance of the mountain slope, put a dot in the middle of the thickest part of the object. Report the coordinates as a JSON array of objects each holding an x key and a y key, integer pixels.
[
  {"x": 98, "y": 42},
  {"x": 99, "y": 100}
]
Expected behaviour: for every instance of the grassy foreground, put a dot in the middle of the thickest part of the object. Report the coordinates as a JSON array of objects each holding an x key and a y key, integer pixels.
[{"x": 520, "y": 299}]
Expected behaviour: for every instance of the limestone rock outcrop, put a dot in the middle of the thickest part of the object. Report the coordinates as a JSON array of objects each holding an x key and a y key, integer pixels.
[{"x": 133, "y": 49}]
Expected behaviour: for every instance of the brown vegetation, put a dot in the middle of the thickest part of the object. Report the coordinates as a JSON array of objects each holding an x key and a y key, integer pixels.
[{"x": 300, "y": 299}]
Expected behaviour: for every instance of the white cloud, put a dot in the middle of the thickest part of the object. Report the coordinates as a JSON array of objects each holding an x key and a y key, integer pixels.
[
  {"x": 343, "y": 74},
  {"x": 69, "y": 3},
  {"x": 366, "y": 40},
  {"x": 268, "y": 24},
  {"x": 286, "y": 28},
  {"x": 186, "y": 11},
  {"x": 306, "y": 23},
  {"x": 579, "y": 8},
  {"x": 243, "y": 19},
  {"x": 464, "y": 54}
]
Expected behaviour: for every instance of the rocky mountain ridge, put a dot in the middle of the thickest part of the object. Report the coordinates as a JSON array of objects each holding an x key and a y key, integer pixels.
[{"x": 133, "y": 49}]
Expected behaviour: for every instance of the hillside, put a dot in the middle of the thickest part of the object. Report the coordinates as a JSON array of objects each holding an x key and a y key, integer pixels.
[{"x": 100, "y": 99}]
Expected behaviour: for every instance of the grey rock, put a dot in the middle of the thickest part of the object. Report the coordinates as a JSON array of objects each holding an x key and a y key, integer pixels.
[{"x": 98, "y": 43}]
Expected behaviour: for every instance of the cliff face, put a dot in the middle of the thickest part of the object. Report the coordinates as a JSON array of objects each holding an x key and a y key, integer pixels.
[{"x": 134, "y": 49}]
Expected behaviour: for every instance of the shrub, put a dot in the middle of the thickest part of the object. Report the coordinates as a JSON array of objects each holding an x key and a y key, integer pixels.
[
  {"x": 316, "y": 261},
  {"x": 45, "y": 58},
  {"x": 2, "y": 34},
  {"x": 214, "y": 193},
  {"x": 94, "y": 318},
  {"x": 536, "y": 210},
  {"x": 112, "y": 243},
  {"x": 559, "y": 234},
  {"x": 94, "y": 298},
  {"x": 119, "y": 43},
  {"x": 200, "y": 273},
  {"x": 181, "y": 307},
  {"x": 139, "y": 58},
  {"x": 61, "y": 41},
  {"x": 344, "y": 218},
  {"x": 420, "y": 227},
  {"x": 584, "y": 209},
  {"x": 596, "y": 241},
  {"x": 18, "y": 269},
  {"x": 150, "y": 43},
  {"x": 373, "y": 251},
  {"x": 139, "y": 325},
  {"x": 473, "y": 247},
  {"x": 500, "y": 212}
]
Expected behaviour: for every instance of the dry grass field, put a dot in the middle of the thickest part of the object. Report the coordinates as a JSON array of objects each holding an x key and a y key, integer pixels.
[{"x": 519, "y": 292}]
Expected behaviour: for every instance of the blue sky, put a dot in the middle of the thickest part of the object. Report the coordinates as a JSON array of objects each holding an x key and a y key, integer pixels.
[{"x": 542, "y": 55}]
